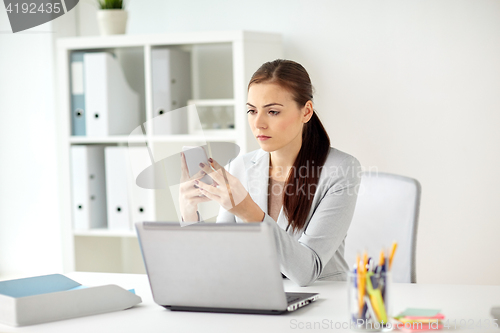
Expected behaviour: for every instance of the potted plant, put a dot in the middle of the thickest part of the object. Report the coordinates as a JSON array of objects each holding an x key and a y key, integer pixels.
[{"x": 112, "y": 17}]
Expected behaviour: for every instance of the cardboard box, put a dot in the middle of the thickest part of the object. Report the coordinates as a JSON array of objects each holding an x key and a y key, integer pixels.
[{"x": 54, "y": 297}]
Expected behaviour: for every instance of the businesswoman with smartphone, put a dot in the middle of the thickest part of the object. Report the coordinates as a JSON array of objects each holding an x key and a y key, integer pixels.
[{"x": 306, "y": 188}]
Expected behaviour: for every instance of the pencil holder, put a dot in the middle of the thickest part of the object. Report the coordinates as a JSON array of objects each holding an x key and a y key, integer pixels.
[{"x": 369, "y": 296}]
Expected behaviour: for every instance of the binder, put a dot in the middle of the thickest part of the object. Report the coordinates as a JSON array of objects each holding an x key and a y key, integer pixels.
[
  {"x": 171, "y": 76},
  {"x": 117, "y": 189},
  {"x": 54, "y": 297},
  {"x": 88, "y": 187},
  {"x": 143, "y": 200},
  {"x": 112, "y": 106},
  {"x": 77, "y": 94}
]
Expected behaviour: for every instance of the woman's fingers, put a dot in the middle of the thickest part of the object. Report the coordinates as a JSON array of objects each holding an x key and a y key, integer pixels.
[
  {"x": 219, "y": 194},
  {"x": 210, "y": 195},
  {"x": 200, "y": 174},
  {"x": 207, "y": 188},
  {"x": 214, "y": 175},
  {"x": 229, "y": 194},
  {"x": 188, "y": 188},
  {"x": 224, "y": 175},
  {"x": 214, "y": 163},
  {"x": 201, "y": 198},
  {"x": 184, "y": 168},
  {"x": 219, "y": 168},
  {"x": 193, "y": 195}
]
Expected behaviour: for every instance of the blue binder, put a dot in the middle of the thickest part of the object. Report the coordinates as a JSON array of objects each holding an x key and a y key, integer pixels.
[{"x": 77, "y": 94}]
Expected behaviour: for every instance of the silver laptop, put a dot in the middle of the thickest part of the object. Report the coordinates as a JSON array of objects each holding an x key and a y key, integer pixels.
[{"x": 216, "y": 267}]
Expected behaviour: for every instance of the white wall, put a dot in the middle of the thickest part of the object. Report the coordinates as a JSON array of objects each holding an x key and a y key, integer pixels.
[
  {"x": 410, "y": 87},
  {"x": 30, "y": 239}
]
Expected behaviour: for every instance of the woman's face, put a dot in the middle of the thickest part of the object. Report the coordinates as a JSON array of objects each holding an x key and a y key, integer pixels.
[{"x": 274, "y": 117}]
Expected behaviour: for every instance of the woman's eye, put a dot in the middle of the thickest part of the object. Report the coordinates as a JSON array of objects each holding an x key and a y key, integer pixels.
[
  {"x": 251, "y": 111},
  {"x": 274, "y": 113}
]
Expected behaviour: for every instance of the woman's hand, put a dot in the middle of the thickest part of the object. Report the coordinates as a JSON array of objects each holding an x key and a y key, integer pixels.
[
  {"x": 189, "y": 194},
  {"x": 230, "y": 193}
]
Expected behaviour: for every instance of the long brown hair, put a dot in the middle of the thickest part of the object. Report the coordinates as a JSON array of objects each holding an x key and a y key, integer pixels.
[{"x": 315, "y": 141}]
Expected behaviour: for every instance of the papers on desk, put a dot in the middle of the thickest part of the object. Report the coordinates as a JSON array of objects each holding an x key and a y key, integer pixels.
[
  {"x": 418, "y": 320},
  {"x": 54, "y": 297}
]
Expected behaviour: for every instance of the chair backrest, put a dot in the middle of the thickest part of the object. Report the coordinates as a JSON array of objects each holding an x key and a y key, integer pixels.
[{"x": 387, "y": 210}]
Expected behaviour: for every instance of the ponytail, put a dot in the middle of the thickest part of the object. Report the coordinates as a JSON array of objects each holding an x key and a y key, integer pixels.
[{"x": 312, "y": 156}]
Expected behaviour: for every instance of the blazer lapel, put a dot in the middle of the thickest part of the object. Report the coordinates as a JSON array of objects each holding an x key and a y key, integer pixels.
[
  {"x": 258, "y": 185},
  {"x": 258, "y": 179}
]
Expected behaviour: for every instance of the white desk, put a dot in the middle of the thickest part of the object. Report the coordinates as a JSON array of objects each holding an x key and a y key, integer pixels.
[{"x": 457, "y": 302}]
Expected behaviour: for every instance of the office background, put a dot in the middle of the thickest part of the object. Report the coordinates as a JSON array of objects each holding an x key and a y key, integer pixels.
[{"x": 407, "y": 87}]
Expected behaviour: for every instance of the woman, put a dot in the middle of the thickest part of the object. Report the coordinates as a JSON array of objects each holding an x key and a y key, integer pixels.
[{"x": 296, "y": 180}]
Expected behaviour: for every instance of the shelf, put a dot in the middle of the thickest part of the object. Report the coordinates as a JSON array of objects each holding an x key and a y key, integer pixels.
[
  {"x": 212, "y": 102},
  {"x": 109, "y": 139},
  {"x": 221, "y": 135},
  {"x": 202, "y": 37},
  {"x": 210, "y": 135},
  {"x": 104, "y": 233},
  {"x": 222, "y": 64}
]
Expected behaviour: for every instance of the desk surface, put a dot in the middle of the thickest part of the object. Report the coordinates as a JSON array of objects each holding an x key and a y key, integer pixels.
[{"x": 470, "y": 303}]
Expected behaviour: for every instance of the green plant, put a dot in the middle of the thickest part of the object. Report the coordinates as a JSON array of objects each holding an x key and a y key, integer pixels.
[{"x": 110, "y": 4}]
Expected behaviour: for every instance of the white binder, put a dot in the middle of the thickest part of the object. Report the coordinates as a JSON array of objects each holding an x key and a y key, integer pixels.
[
  {"x": 143, "y": 200},
  {"x": 88, "y": 187},
  {"x": 112, "y": 106},
  {"x": 171, "y": 76},
  {"x": 127, "y": 202},
  {"x": 117, "y": 189}
]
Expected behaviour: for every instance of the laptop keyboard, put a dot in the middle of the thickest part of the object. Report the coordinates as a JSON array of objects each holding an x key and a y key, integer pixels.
[{"x": 292, "y": 298}]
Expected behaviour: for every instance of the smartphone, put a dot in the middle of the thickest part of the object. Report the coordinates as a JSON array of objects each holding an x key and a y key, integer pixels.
[{"x": 194, "y": 156}]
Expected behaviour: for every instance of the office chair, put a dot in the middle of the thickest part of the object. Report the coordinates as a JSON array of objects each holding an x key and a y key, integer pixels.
[{"x": 387, "y": 210}]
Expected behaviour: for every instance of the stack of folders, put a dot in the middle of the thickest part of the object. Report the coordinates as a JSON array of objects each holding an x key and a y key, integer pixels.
[
  {"x": 88, "y": 187},
  {"x": 127, "y": 202},
  {"x": 104, "y": 190},
  {"x": 417, "y": 320},
  {"x": 102, "y": 102},
  {"x": 171, "y": 76}
]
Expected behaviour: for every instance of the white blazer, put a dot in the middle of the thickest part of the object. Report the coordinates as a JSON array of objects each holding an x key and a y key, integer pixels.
[{"x": 317, "y": 251}]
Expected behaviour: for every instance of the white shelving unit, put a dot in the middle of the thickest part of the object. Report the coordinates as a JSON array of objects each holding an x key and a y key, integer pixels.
[{"x": 222, "y": 64}]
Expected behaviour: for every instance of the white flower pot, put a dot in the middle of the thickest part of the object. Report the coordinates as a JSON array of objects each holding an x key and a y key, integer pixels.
[{"x": 112, "y": 21}]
